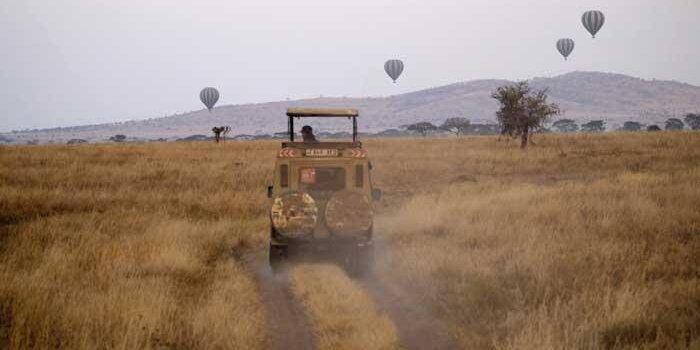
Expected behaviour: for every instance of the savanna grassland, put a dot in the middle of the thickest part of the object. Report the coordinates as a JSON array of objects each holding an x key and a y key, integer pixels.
[{"x": 580, "y": 242}]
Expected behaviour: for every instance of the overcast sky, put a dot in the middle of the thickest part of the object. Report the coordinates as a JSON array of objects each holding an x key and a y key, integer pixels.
[{"x": 74, "y": 62}]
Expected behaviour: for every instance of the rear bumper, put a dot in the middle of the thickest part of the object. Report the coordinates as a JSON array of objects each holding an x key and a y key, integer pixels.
[
  {"x": 330, "y": 242},
  {"x": 324, "y": 239}
]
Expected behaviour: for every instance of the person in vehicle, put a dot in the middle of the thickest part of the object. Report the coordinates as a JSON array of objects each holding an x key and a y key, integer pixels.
[{"x": 307, "y": 133}]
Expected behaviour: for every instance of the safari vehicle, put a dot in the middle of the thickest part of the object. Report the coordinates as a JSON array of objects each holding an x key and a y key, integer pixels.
[{"x": 322, "y": 196}]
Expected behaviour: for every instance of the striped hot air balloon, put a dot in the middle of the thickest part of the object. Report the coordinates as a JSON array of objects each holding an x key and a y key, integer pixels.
[
  {"x": 565, "y": 47},
  {"x": 209, "y": 97},
  {"x": 593, "y": 21},
  {"x": 393, "y": 68}
]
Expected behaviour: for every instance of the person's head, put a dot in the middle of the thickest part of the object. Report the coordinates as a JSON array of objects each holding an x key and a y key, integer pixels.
[{"x": 307, "y": 130}]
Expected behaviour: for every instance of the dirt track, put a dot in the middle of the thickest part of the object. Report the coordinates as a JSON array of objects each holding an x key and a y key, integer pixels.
[
  {"x": 417, "y": 327},
  {"x": 290, "y": 328}
]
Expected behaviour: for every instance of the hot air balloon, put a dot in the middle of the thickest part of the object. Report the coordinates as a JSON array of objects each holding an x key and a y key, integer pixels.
[
  {"x": 209, "y": 96},
  {"x": 593, "y": 21},
  {"x": 393, "y": 68},
  {"x": 565, "y": 47}
]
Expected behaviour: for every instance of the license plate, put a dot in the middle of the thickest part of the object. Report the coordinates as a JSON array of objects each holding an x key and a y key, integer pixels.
[{"x": 321, "y": 152}]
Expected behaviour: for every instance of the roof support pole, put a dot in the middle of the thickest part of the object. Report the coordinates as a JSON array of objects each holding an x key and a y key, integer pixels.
[
  {"x": 354, "y": 129},
  {"x": 291, "y": 129}
]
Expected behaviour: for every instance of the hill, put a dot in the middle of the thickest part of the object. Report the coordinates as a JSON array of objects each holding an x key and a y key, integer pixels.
[{"x": 582, "y": 95}]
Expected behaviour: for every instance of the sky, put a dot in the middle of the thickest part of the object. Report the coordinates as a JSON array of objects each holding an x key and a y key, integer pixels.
[{"x": 76, "y": 62}]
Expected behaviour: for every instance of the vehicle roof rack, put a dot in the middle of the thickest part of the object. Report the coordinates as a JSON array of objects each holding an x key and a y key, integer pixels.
[
  {"x": 321, "y": 112},
  {"x": 324, "y": 113}
]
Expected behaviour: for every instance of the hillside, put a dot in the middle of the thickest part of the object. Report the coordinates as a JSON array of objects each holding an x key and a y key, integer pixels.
[{"x": 582, "y": 95}]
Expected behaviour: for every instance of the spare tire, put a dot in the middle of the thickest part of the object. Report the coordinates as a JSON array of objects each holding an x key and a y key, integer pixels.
[
  {"x": 349, "y": 213},
  {"x": 294, "y": 214}
]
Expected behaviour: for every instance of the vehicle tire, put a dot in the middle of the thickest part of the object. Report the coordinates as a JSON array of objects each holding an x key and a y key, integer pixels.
[{"x": 278, "y": 256}]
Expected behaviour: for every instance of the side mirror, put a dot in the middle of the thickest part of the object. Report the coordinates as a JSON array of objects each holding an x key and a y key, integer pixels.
[
  {"x": 269, "y": 191},
  {"x": 376, "y": 194}
]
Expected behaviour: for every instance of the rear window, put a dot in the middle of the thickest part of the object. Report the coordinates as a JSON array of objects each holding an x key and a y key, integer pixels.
[{"x": 321, "y": 180}]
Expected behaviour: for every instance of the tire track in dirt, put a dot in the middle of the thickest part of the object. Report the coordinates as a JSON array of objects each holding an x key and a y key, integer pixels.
[
  {"x": 417, "y": 327},
  {"x": 288, "y": 325}
]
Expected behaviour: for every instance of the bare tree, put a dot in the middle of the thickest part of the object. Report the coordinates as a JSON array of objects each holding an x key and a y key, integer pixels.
[
  {"x": 523, "y": 111},
  {"x": 225, "y": 131},
  {"x": 217, "y": 133},
  {"x": 220, "y": 131}
]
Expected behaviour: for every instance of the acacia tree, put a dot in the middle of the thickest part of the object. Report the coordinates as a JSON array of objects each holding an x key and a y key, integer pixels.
[
  {"x": 118, "y": 138},
  {"x": 422, "y": 128},
  {"x": 593, "y": 126},
  {"x": 522, "y": 110},
  {"x": 457, "y": 126},
  {"x": 693, "y": 121},
  {"x": 565, "y": 126},
  {"x": 674, "y": 124},
  {"x": 631, "y": 126}
]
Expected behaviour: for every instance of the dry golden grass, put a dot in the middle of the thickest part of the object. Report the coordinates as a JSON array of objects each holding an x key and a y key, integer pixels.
[
  {"x": 342, "y": 314},
  {"x": 582, "y": 241},
  {"x": 128, "y": 246}
]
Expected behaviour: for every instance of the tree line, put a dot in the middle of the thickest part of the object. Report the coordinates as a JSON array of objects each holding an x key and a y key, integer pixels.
[
  {"x": 523, "y": 111},
  {"x": 462, "y": 126},
  {"x": 457, "y": 125},
  {"x": 672, "y": 124}
]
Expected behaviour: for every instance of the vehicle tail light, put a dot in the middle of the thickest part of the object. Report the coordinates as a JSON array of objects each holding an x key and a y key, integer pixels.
[
  {"x": 356, "y": 153},
  {"x": 287, "y": 153}
]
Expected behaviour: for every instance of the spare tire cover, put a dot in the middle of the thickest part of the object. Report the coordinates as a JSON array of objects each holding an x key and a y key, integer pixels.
[
  {"x": 349, "y": 213},
  {"x": 294, "y": 214}
]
